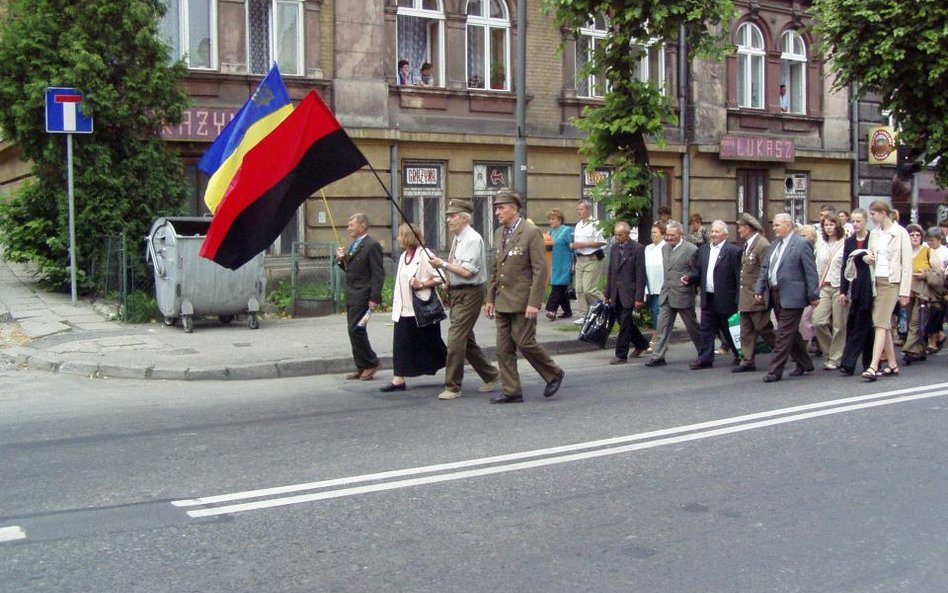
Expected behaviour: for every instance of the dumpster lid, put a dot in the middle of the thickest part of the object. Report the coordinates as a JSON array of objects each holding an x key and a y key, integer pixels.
[{"x": 185, "y": 226}]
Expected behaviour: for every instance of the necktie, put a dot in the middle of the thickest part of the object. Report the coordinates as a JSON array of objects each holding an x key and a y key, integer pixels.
[
  {"x": 508, "y": 230},
  {"x": 774, "y": 262}
]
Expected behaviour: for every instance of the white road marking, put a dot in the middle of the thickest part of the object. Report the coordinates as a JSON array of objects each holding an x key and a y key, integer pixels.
[
  {"x": 603, "y": 448},
  {"x": 11, "y": 533}
]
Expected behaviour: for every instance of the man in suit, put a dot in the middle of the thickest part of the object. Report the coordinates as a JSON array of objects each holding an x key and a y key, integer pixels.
[
  {"x": 788, "y": 275},
  {"x": 365, "y": 274},
  {"x": 677, "y": 296},
  {"x": 514, "y": 291},
  {"x": 625, "y": 289},
  {"x": 755, "y": 315},
  {"x": 719, "y": 265}
]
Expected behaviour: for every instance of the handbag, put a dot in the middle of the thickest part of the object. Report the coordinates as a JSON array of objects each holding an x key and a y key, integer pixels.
[
  {"x": 427, "y": 311},
  {"x": 598, "y": 324}
]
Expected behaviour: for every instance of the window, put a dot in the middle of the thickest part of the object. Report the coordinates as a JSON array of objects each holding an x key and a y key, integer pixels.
[
  {"x": 488, "y": 39},
  {"x": 423, "y": 199},
  {"x": 590, "y": 36},
  {"x": 189, "y": 27},
  {"x": 752, "y": 192},
  {"x": 489, "y": 178},
  {"x": 750, "y": 67},
  {"x": 794, "y": 196},
  {"x": 651, "y": 66},
  {"x": 420, "y": 40},
  {"x": 590, "y": 181},
  {"x": 793, "y": 70},
  {"x": 275, "y": 31}
]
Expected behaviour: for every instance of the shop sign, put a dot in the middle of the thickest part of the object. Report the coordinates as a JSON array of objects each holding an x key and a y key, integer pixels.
[
  {"x": 882, "y": 146},
  {"x": 757, "y": 148},
  {"x": 199, "y": 124},
  {"x": 428, "y": 176}
]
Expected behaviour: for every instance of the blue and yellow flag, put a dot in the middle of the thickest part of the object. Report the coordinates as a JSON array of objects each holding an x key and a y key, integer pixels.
[{"x": 269, "y": 105}]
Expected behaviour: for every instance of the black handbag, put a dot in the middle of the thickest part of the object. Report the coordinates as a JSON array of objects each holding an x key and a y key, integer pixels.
[
  {"x": 427, "y": 312},
  {"x": 598, "y": 324}
]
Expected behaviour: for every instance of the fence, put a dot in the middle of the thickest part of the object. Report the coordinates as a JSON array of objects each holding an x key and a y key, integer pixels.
[
  {"x": 113, "y": 272},
  {"x": 315, "y": 279}
]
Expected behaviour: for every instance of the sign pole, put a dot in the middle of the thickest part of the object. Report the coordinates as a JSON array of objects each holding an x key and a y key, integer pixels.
[{"x": 72, "y": 218}]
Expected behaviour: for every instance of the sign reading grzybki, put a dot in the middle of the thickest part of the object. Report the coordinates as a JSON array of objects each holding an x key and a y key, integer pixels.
[
  {"x": 421, "y": 176},
  {"x": 757, "y": 148}
]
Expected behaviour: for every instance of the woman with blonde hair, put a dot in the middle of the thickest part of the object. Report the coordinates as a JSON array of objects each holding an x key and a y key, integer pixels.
[
  {"x": 416, "y": 350},
  {"x": 890, "y": 257},
  {"x": 561, "y": 266}
]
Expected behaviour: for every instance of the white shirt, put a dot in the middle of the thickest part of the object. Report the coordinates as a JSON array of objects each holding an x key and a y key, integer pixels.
[
  {"x": 712, "y": 262},
  {"x": 884, "y": 252},
  {"x": 588, "y": 231},
  {"x": 467, "y": 251},
  {"x": 654, "y": 267},
  {"x": 942, "y": 253},
  {"x": 829, "y": 262},
  {"x": 780, "y": 244}
]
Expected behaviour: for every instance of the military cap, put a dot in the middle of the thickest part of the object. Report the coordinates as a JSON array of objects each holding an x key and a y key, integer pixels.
[
  {"x": 747, "y": 219},
  {"x": 455, "y": 206},
  {"x": 507, "y": 196}
]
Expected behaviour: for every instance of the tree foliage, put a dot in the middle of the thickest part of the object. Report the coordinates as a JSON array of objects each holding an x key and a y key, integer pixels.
[
  {"x": 897, "y": 49},
  {"x": 635, "y": 112},
  {"x": 124, "y": 174}
]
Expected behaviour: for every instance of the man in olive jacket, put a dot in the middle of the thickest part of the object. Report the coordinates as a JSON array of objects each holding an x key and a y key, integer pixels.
[{"x": 514, "y": 295}]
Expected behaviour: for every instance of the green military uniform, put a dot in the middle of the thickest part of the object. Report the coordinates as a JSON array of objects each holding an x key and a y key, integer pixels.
[{"x": 517, "y": 280}]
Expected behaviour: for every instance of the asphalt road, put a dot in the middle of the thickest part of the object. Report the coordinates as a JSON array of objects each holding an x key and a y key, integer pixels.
[{"x": 631, "y": 479}]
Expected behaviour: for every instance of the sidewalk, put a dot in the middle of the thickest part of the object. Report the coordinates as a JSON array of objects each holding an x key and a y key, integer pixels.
[{"x": 43, "y": 330}]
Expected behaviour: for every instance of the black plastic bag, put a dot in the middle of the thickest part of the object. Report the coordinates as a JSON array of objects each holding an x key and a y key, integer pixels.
[{"x": 598, "y": 324}]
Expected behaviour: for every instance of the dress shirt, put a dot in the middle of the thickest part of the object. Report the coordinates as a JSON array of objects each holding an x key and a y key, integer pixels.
[
  {"x": 775, "y": 261},
  {"x": 467, "y": 251},
  {"x": 713, "y": 254},
  {"x": 586, "y": 231}
]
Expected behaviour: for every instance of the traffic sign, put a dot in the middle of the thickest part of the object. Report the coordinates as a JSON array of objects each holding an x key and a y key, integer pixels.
[{"x": 63, "y": 115}]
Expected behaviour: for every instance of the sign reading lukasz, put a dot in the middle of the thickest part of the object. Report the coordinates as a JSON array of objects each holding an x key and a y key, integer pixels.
[{"x": 757, "y": 148}]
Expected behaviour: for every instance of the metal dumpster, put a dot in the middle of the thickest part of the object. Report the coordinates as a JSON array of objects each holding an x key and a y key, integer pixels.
[{"x": 187, "y": 284}]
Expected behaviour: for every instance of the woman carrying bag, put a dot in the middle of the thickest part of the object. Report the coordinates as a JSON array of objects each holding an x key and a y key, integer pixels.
[{"x": 416, "y": 349}]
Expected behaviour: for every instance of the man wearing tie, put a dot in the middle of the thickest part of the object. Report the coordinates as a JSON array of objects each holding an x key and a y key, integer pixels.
[
  {"x": 788, "y": 275},
  {"x": 514, "y": 291},
  {"x": 466, "y": 276},
  {"x": 677, "y": 296},
  {"x": 719, "y": 263},
  {"x": 365, "y": 274}
]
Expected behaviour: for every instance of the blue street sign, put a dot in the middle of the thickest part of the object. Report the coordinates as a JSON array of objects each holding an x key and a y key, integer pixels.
[{"x": 63, "y": 115}]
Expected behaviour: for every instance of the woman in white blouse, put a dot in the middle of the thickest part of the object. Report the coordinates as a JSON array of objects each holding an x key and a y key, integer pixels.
[
  {"x": 654, "y": 275},
  {"x": 890, "y": 257},
  {"x": 829, "y": 318},
  {"x": 416, "y": 350}
]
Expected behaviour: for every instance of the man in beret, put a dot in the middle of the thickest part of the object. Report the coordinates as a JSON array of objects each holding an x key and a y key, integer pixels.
[
  {"x": 755, "y": 315},
  {"x": 514, "y": 291},
  {"x": 466, "y": 275}
]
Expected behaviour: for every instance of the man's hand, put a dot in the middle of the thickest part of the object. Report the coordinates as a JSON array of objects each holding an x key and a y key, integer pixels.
[
  {"x": 758, "y": 297},
  {"x": 531, "y": 312},
  {"x": 639, "y": 304},
  {"x": 814, "y": 303},
  {"x": 437, "y": 262},
  {"x": 489, "y": 310},
  {"x": 340, "y": 253},
  {"x": 843, "y": 299}
]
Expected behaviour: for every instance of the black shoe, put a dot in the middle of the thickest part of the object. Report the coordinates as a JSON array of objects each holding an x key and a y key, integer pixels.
[
  {"x": 637, "y": 352},
  {"x": 800, "y": 371},
  {"x": 736, "y": 362},
  {"x": 392, "y": 387},
  {"x": 768, "y": 378},
  {"x": 656, "y": 362},
  {"x": 618, "y": 360},
  {"x": 553, "y": 386},
  {"x": 744, "y": 368},
  {"x": 696, "y": 365},
  {"x": 846, "y": 372},
  {"x": 507, "y": 399}
]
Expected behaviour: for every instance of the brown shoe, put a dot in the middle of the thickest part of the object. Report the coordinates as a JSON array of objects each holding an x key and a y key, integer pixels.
[
  {"x": 354, "y": 376},
  {"x": 369, "y": 373}
]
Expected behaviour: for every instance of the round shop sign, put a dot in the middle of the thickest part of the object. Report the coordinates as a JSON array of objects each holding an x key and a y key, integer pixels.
[{"x": 881, "y": 144}]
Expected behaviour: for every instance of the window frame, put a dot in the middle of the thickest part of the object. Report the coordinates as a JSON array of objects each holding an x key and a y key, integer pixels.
[
  {"x": 751, "y": 55},
  {"x": 487, "y": 24},
  {"x": 414, "y": 197},
  {"x": 272, "y": 42},
  {"x": 417, "y": 10},
  {"x": 793, "y": 59},
  {"x": 482, "y": 197},
  {"x": 183, "y": 32},
  {"x": 596, "y": 35}
]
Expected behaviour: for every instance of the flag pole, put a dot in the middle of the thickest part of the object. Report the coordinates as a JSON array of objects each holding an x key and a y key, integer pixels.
[{"x": 331, "y": 221}]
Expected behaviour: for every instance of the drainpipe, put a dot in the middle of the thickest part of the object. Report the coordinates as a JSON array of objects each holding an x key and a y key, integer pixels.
[
  {"x": 520, "y": 142},
  {"x": 396, "y": 192},
  {"x": 683, "y": 125},
  {"x": 854, "y": 90}
]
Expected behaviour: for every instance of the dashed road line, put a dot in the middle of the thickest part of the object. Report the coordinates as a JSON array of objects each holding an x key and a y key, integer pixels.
[{"x": 11, "y": 533}]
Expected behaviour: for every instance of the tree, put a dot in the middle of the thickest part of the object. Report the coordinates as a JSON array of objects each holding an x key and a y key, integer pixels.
[
  {"x": 124, "y": 174},
  {"x": 897, "y": 49},
  {"x": 634, "y": 111}
]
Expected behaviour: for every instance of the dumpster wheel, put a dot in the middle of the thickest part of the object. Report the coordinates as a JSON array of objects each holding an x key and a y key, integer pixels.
[
  {"x": 253, "y": 322},
  {"x": 225, "y": 319},
  {"x": 170, "y": 321},
  {"x": 187, "y": 322}
]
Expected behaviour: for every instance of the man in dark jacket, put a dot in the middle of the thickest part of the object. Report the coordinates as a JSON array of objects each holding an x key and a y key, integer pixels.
[
  {"x": 365, "y": 275},
  {"x": 625, "y": 290},
  {"x": 719, "y": 263}
]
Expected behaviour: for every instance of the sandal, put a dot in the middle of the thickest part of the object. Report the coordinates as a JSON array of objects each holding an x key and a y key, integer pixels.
[
  {"x": 870, "y": 374},
  {"x": 889, "y": 372}
]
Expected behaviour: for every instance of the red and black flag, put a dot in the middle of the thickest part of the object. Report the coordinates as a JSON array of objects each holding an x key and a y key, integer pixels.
[{"x": 308, "y": 150}]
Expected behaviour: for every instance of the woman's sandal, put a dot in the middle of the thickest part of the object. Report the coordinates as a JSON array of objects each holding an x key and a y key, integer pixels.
[
  {"x": 870, "y": 374},
  {"x": 888, "y": 372}
]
